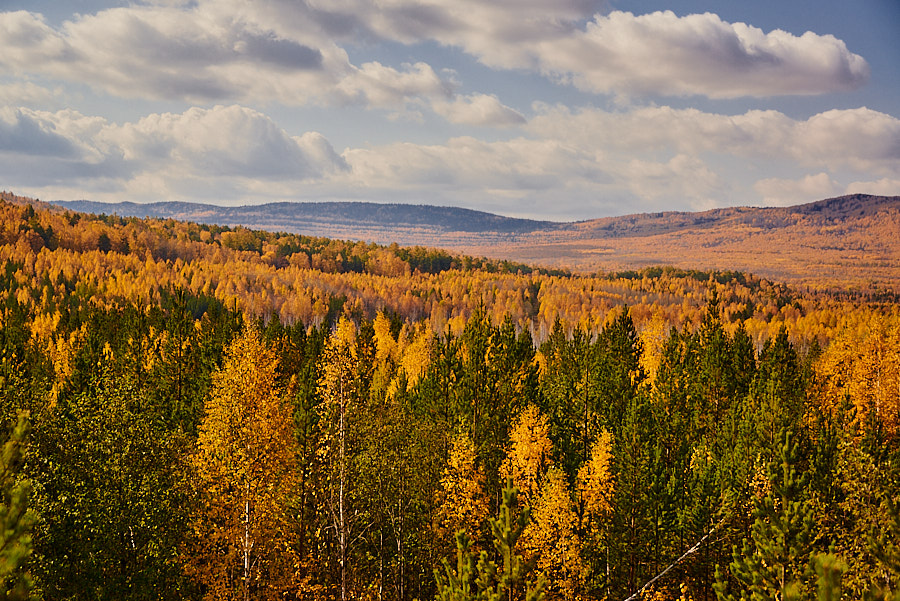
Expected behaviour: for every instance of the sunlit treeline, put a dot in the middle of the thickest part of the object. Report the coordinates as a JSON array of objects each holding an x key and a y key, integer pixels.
[{"x": 298, "y": 279}]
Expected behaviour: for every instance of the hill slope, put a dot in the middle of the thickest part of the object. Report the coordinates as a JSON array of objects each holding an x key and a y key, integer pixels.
[{"x": 846, "y": 242}]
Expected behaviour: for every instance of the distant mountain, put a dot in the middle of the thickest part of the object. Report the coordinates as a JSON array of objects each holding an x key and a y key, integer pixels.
[
  {"x": 326, "y": 218},
  {"x": 849, "y": 241}
]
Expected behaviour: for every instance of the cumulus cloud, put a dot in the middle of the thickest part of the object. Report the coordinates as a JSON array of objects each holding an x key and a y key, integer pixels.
[
  {"x": 682, "y": 178},
  {"x": 882, "y": 187},
  {"x": 860, "y": 139},
  {"x": 577, "y": 164},
  {"x": 620, "y": 53},
  {"x": 661, "y": 53},
  {"x": 203, "y": 53},
  {"x": 27, "y": 93},
  {"x": 290, "y": 52},
  {"x": 509, "y": 167},
  {"x": 222, "y": 147},
  {"x": 787, "y": 192},
  {"x": 478, "y": 109}
]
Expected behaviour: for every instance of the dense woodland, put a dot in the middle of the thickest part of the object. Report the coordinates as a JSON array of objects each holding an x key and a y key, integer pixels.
[{"x": 196, "y": 412}]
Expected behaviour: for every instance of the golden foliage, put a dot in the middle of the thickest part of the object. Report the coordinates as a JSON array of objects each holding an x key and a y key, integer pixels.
[
  {"x": 552, "y": 538},
  {"x": 653, "y": 340},
  {"x": 529, "y": 453},
  {"x": 595, "y": 483},
  {"x": 245, "y": 465},
  {"x": 862, "y": 367},
  {"x": 462, "y": 503}
]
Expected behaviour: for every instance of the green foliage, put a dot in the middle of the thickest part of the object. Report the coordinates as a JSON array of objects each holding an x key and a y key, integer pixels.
[
  {"x": 774, "y": 563},
  {"x": 485, "y": 580},
  {"x": 112, "y": 499},
  {"x": 17, "y": 518}
]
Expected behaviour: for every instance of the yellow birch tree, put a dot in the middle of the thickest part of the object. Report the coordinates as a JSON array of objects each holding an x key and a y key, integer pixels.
[
  {"x": 245, "y": 466},
  {"x": 462, "y": 502},
  {"x": 529, "y": 453},
  {"x": 552, "y": 538}
]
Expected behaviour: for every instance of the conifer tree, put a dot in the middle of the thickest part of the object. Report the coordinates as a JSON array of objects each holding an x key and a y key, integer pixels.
[
  {"x": 16, "y": 517},
  {"x": 485, "y": 580},
  {"x": 774, "y": 563}
]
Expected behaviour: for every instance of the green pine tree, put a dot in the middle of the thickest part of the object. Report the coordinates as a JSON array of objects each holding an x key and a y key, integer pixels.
[
  {"x": 773, "y": 564},
  {"x": 485, "y": 580},
  {"x": 16, "y": 517}
]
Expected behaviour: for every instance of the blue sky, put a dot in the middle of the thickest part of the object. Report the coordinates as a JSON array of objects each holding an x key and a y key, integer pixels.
[{"x": 554, "y": 109}]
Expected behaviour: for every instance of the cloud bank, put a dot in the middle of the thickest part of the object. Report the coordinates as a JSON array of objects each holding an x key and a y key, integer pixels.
[
  {"x": 578, "y": 163},
  {"x": 292, "y": 53}
]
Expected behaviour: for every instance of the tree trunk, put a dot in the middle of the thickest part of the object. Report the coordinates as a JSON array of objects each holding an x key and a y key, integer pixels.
[
  {"x": 342, "y": 517},
  {"x": 247, "y": 543}
]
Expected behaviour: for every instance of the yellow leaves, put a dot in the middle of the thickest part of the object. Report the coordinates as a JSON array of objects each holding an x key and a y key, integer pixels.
[
  {"x": 462, "y": 501},
  {"x": 416, "y": 355},
  {"x": 595, "y": 482},
  {"x": 552, "y": 536},
  {"x": 44, "y": 325},
  {"x": 338, "y": 364},
  {"x": 410, "y": 354},
  {"x": 862, "y": 365},
  {"x": 654, "y": 335},
  {"x": 385, "y": 345},
  {"x": 529, "y": 453},
  {"x": 246, "y": 467}
]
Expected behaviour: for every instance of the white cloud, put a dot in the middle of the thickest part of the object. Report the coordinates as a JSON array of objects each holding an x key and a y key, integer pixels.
[
  {"x": 573, "y": 164},
  {"x": 27, "y": 93},
  {"x": 661, "y": 53},
  {"x": 619, "y": 53},
  {"x": 221, "y": 149},
  {"x": 881, "y": 187},
  {"x": 787, "y": 192},
  {"x": 513, "y": 167},
  {"x": 860, "y": 139},
  {"x": 682, "y": 178},
  {"x": 374, "y": 84},
  {"x": 201, "y": 53},
  {"x": 288, "y": 52},
  {"x": 478, "y": 109}
]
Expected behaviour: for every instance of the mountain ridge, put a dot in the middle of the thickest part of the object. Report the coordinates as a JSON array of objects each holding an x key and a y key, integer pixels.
[{"x": 847, "y": 241}]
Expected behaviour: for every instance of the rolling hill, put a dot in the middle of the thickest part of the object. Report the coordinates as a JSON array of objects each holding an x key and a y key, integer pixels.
[{"x": 848, "y": 242}]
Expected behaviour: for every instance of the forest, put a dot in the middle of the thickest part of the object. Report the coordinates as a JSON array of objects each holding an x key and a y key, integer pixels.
[{"x": 200, "y": 412}]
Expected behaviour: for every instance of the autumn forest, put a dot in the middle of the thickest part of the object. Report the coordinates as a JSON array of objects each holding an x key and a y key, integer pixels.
[{"x": 204, "y": 412}]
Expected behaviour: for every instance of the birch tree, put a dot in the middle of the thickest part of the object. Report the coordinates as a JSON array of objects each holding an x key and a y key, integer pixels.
[{"x": 246, "y": 471}]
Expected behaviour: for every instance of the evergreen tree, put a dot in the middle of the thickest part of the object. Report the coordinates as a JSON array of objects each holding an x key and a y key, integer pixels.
[
  {"x": 774, "y": 563},
  {"x": 16, "y": 517},
  {"x": 485, "y": 580}
]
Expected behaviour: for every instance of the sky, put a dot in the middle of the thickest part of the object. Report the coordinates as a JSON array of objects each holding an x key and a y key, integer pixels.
[{"x": 548, "y": 109}]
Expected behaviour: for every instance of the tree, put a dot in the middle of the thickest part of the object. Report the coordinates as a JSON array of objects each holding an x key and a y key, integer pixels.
[
  {"x": 774, "y": 563},
  {"x": 462, "y": 501},
  {"x": 245, "y": 466},
  {"x": 339, "y": 390},
  {"x": 595, "y": 487},
  {"x": 529, "y": 455},
  {"x": 552, "y": 540},
  {"x": 486, "y": 581},
  {"x": 16, "y": 517}
]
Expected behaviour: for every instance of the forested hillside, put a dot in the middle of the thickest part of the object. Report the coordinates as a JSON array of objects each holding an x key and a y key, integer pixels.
[
  {"x": 222, "y": 413},
  {"x": 844, "y": 243}
]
